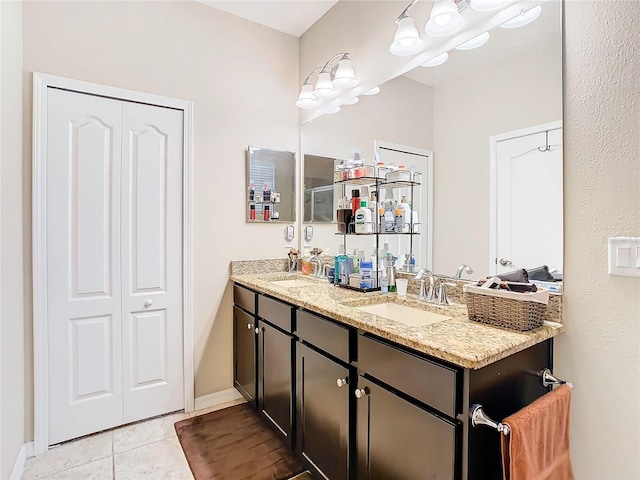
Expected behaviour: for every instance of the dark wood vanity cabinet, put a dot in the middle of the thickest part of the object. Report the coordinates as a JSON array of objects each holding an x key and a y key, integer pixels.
[
  {"x": 244, "y": 343},
  {"x": 355, "y": 406},
  {"x": 406, "y": 406},
  {"x": 324, "y": 400},
  {"x": 275, "y": 365}
]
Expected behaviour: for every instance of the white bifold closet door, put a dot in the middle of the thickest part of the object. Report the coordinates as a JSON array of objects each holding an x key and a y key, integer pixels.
[{"x": 114, "y": 262}]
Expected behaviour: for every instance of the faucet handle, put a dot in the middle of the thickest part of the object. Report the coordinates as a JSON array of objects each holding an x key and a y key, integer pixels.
[
  {"x": 443, "y": 298},
  {"x": 422, "y": 295}
]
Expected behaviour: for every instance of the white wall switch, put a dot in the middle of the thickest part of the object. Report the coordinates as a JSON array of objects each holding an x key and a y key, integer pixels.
[{"x": 624, "y": 256}]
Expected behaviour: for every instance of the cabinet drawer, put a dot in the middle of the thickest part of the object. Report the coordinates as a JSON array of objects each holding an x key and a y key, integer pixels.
[
  {"x": 278, "y": 313},
  {"x": 326, "y": 335},
  {"x": 244, "y": 298},
  {"x": 422, "y": 379}
]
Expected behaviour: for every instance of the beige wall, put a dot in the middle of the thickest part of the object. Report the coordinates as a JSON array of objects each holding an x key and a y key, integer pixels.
[
  {"x": 513, "y": 95},
  {"x": 242, "y": 78},
  {"x": 401, "y": 113},
  {"x": 12, "y": 318},
  {"x": 601, "y": 350}
]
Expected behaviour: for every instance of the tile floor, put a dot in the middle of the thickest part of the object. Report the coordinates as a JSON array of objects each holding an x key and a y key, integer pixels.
[{"x": 147, "y": 450}]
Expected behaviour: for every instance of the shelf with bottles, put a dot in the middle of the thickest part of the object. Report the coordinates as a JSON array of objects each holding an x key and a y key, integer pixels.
[
  {"x": 264, "y": 213},
  {"x": 385, "y": 177}
]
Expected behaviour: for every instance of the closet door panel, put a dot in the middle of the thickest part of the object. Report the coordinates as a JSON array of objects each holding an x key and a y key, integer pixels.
[
  {"x": 83, "y": 264},
  {"x": 152, "y": 260}
]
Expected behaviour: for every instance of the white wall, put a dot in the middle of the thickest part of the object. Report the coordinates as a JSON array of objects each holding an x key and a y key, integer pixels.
[
  {"x": 601, "y": 350},
  {"x": 401, "y": 113},
  {"x": 516, "y": 94},
  {"x": 12, "y": 318},
  {"x": 242, "y": 78}
]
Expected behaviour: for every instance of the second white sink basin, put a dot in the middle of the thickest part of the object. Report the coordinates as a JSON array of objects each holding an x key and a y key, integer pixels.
[{"x": 412, "y": 317}]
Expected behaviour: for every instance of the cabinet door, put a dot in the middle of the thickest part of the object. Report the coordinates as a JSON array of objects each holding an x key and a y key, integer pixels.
[
  {"x": 323, "y": 413},
  {"x": 396, "y": 439},
  {"x": 274, "y": 379},
  {"x": 244, "y": 354}
]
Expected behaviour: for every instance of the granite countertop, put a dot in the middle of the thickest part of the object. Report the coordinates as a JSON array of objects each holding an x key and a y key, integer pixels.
[{"x": 457, "y": 340}]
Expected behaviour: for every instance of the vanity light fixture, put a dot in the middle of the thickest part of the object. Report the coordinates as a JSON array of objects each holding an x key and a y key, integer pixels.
[
  {"x": 329, "y": 78},
  {"x": 373, "y": 91},
  {"x": 406, "y": 40},
  {"x": 353, "y": 101},
  {"x": 475, "y": 42},
  {"x": 445, "y": 19},
  {"x": 437, "y": 60},
  {"x": 525, "y": 18}
]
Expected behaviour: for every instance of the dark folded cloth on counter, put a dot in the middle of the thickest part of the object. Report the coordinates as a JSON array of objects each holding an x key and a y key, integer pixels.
[{"x": 519, "y": 275}]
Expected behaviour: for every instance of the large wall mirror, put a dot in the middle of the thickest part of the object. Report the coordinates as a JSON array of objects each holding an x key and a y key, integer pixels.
[
  {"x": 491, "y": 117},
  {"x": 271, "y": 185}
]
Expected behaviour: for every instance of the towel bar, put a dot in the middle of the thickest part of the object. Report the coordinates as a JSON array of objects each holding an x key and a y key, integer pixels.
[
  {"x": 548, "y": 379},
  {"x": 478, "y": 417}
]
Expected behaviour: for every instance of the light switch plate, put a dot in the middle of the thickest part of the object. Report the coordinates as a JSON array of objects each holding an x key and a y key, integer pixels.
[{"x": 624, "y": 256}]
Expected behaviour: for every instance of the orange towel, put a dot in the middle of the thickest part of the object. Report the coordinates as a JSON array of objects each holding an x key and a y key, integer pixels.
[{"x": 538, "y": 446}]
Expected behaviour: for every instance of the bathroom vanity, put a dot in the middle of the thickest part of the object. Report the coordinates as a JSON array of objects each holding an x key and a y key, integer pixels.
[{"x": 359, "y": 396}]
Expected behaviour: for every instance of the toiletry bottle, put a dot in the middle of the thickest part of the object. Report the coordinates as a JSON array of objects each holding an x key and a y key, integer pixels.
[
  {"x": 266, "y": 194},
  {"x": 384, "y": 283},
  {"x": 366, "y": 268},
  {"x": 252, "y": 212},
  {"x": 373, "y": 206},
  {"x": 266, "y": 213},
  {"x": 355, "y": 200},
  {"x": 364, "y": 221},
  {"x": 406, "y": 214},
  {"x": 252, "y": 190},
  {"x": 339, "y": 271},
  {"x": 399, "y": 221}
]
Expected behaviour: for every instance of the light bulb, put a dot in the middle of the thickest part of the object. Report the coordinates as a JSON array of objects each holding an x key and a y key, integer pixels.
[
  {"x": 407, "y": 40},
  {"x": 442, "y": 20},
  {"x": 445, "y": 19},
  {"x": 306, "y": 99},
  {"x": 345, "y": 76},
  {"x": 324, "y": 86}
]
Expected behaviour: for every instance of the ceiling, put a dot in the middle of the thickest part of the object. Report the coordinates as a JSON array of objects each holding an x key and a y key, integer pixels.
[{"x": 289, "y": 16}]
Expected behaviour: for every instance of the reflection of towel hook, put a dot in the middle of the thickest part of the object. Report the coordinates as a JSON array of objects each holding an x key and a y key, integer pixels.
[{"x": 547, "y": 147}]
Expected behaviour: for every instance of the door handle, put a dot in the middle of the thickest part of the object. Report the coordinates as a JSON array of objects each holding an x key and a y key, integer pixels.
[
  {"x": 148, "y": 303},
  {"x": 505, "y": 262}
]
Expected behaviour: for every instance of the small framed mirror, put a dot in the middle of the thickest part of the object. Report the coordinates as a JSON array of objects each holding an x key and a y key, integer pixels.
[{"x": 271, "y": 185}]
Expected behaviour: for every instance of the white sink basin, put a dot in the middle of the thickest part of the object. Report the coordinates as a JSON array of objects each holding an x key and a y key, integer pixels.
[
  {"x": 294, "y": 282},
  {"x": 413, "y": 317}
]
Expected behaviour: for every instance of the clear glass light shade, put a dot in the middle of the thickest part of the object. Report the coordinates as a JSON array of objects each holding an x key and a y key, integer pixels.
[
  {"x": 373, "y": 91},
  {"x": 525, "y": 18},
  {"x": 334, "y": 110},
  {"x": 475, "y": 42},
  {"x": 324, "y": 86},
  {"x": 306, "y": 99},
  {"x": 407, "y": 40},
  {"x": 445, "y": 19},
  {"x": 353, "y": 101},
  {"x": 488, "y": 5},
  {"x": 435, "y": 61},
  {"x": 345, "y": 76}
]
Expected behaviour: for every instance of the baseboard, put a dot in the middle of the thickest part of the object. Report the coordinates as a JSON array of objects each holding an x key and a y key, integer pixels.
[
  {"x": 217, "y": 398},
  {"x": 26, "y": 451}
]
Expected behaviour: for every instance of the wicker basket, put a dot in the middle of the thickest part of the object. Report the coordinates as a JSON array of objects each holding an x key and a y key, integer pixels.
[{"x": 517, "y": 311}]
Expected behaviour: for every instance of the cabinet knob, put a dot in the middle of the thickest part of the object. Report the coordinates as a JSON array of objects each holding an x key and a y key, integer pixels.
[
  {"x": 342, "y": 381},
  {"x": 249, "y": 326},
  {"x": 360, "y": 392},
  {"x": 257, "y": 330},
  {"x": 148, "y": 303}
]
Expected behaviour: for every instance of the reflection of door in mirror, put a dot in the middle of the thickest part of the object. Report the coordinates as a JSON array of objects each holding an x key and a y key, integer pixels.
[
  {"x": 527, "y": 191},
  {"x": 318, "y": 189},
  {"x": 421, "y": 199},
  {"x": 270, "y": 185}
]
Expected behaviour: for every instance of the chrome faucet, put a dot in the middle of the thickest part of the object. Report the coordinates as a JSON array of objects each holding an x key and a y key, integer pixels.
[
  {"x": 463, "y": 269},
  {"x": 443, "y": 298},
  {"x": 317, "y": 265},
  {"x": 423, "y": 295}
]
